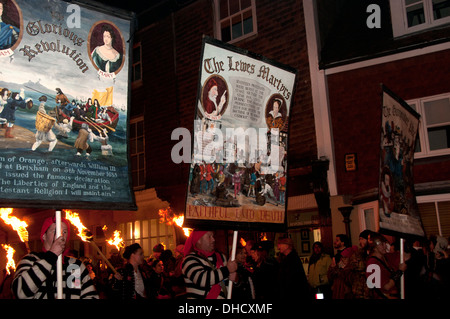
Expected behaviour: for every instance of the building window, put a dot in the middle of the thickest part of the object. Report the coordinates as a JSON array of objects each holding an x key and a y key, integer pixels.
[
  {"x": 136, "y": 75},
  {"x": 434, "y": 127},
  {"x": 236, "y": 19},
  {"x": 409, "y": 16},
  {"x": 435, "y": 214},
  {"x": 368, "y": 216},
  {"x": 148, "y": 233},
  {"x": 137, "y": 152}
]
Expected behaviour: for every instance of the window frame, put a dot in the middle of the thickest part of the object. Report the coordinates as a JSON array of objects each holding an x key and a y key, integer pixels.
[
  {"x": 136, "y": 82},
  {"x": 218, "y": 21},
  {"x": 435, "y": 199},
  {"x": 399, "y": 18},
  {"x": 423, "y": 128},
  {"x": 140, "y": 185}
]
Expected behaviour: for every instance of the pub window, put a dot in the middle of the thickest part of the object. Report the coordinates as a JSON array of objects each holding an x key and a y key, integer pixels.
[
  {"x": 148, "y": 233},
  {"x": 409, "y": 16},
  {"x": 235, "y": 19},
  {"x": 137, "y": 152},
  {"x": 434, "y": 127},
  {"x": 435, "y": 214}
]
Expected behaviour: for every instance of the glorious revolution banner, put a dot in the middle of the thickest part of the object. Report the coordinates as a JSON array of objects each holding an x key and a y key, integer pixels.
[
  {"x": 239, "y": 160},
  {"x": 64, "y": 83},
  {"x": 398, "y": 207}
]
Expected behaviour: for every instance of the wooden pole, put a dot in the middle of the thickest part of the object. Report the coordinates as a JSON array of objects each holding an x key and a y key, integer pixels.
[
  {"x": 233, "y": 256},
  {"x": 93, "y": 244},
  {"x": 402, "y": 260},
  {"x": 59, "y": 275}
]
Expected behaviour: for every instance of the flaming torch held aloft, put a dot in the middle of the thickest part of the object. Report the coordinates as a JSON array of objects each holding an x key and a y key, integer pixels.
[
  {"x": 116, "y": 240},
  {"x": 168, "y": 216},
  {"x": 18, "y": 225},
  {"x": 85, "y": 234},
  {"x": 10, "y": 264}
]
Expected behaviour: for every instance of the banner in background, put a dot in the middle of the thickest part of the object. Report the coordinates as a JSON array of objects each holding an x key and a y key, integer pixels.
[
  {"x": 239, "y": 160},
  {"x": 64, "y": 83},
  {"x": 398, "y": 207}
]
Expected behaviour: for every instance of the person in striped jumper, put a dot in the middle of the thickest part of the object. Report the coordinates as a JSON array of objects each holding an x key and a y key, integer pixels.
[
  {"x": 35, "y": 276},
  {"x": 205, "y": 270}
]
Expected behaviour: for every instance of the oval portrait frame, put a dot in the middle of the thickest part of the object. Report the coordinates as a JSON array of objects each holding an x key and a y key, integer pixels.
[
  {"x": 94, "y": 31},
  {"x": 222, "y": 86},
  {"x": 282, "y": 110},
  {"x": 17, "y": 16}
]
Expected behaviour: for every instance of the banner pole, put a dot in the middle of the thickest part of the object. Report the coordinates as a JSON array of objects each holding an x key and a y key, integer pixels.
[
  {"x": 233, "y": 256},
  {"x": 402, "y": 278},
  {"x": 59, "y": 288}
]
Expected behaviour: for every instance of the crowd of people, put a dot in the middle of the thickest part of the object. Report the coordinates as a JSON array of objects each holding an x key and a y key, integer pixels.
[
  {"x": 373, "y": 270},
  {"x": 196, "y": 270}
]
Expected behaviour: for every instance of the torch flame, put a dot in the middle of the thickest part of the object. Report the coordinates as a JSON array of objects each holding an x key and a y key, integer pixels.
[
  {"x": 74, "y": 218},
  {"x": 168, "y": 217},
  {"x": 10, "y": 264},
  {"x": 116, "y": 240},
  {"x": 18, "y": 225},
  {"x": 243, "y": 242}
]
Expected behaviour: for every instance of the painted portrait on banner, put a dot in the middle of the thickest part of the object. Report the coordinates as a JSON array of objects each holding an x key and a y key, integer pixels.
[
  {"x": 64, "y": 106},
  {"x": 239, "y": 156}
]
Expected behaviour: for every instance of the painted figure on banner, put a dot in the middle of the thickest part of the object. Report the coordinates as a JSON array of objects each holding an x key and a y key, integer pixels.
[
  {"x": 214, "y": 97},
  {"x": 107, "y": 54},
  {"x": 11, "y": 102},
  {"x": 9, "y": 25},
  {"x": 274, "y": 112}
]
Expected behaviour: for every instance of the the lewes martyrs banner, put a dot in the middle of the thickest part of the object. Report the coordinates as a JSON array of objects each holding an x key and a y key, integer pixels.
[
  {"x": 398, "y": 207},
  {"x": 239, "y": 159},
  {"x": 64, "y": 83}
]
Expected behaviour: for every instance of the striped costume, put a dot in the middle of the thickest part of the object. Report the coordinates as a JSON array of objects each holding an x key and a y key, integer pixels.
[
  {"x": 35, "y": 278},
  {"x": 201, "y": 274}
]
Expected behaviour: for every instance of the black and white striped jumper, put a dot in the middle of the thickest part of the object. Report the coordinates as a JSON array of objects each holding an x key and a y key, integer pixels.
[
  {"x": 200, "y": 274},
  {"x": 35, "y": 278}
]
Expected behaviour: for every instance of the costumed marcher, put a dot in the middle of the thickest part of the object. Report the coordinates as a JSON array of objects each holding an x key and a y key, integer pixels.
[
  {"x": 35, "y": 276},
  {"x": 205, "y": 270}
]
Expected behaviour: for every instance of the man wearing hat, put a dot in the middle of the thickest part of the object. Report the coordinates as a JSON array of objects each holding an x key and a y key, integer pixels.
[
  {"x": 35, "y": 277},
  {"x": 205, "y": 269},
  {"x": 292, "y": 282}
]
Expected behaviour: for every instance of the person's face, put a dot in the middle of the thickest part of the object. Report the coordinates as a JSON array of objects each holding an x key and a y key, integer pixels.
[
  {"x": 213, "y": 92},
  {"x": 1, "y": 9},
  {"x": 156, "y": 254},
  {"x": 338, "y": 243},
  {"x": 107, "y": 39},
  {"x": 50, "y": 235},
  {"x": 362, "y": 242},
  {"x": 276, "y": 107},
  {"x": 207, "y": 242},
  {"x": 317, "y": 249},
  {"x": 283, "y": 248},
  {"x": 241, "y": 256},
  {"x": 138, "y": 257},
  {"x": 5, "y": 96},
  {"x": 383, "y": 247},
  {"x": 159, "y": 268}
]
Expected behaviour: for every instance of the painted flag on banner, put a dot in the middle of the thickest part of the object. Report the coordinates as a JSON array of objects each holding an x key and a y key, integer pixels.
[
  {"x": 239, "y": 160},
  {"x": 398, "y": 209}
]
